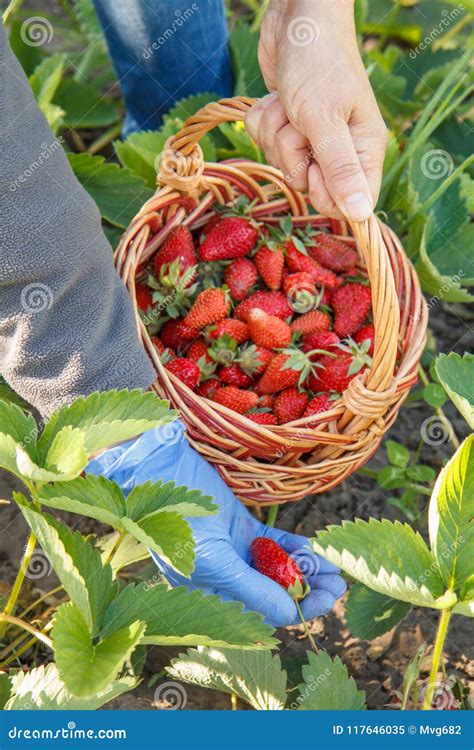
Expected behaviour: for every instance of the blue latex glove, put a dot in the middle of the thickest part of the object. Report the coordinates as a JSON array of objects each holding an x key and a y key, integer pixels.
[{"x": 223, "y": 564}]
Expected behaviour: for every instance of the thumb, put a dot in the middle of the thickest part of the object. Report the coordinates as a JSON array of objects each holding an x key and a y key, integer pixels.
[{"x": 341, "y": 169}]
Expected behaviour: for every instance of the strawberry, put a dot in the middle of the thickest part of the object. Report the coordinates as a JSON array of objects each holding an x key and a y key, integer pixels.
[
  {"x": 268, "y": 330},
  {"x": 298, "y": 261},
  {"x": 197, "y": 350},
  {"x": 318, "y": 404},
  {"x": 266, "y": 402},
  {"x": 324, "y": 340},
  {"x": 207, "y": 388},
  {"x": 313, "y": 322},
  {"x": 213, "y": 221},
  {"x": 289, "y": 405},
  {"x": 188, "y": 372},
  {"x": 276, "y": 377},
  {"x": 210, "y": 306},
  {"x": 301, "y": 280},
  {"x": 235, "y": 398},
  {"x": 143, "y": 296},
  {"x": 351, "y": 304},
  {"x": 273, "y": 303},
  {"x": 367, "y": 332},
  {"x": 231, "y": 237},
  {"x": 175, "y": 334},
  {"x": 234, "y": 375},
  {"x": 236, "y": 329},
  {"x": 332, "y": 253},
  {"x": 335, "y": 373},
  {"x": 158, "y": 344},
  {"x": 178, "y": 245},
  {"x": 271, "y": 560},
  {"x": 263, "y": 418},
  {"x": 270, "y": 262},
  {"x": 240, "y": 276},
  {"x": 254, "y": 360}
]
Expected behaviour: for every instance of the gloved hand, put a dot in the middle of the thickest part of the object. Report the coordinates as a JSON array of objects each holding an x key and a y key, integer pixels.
[{"x": 223, "y": 540}]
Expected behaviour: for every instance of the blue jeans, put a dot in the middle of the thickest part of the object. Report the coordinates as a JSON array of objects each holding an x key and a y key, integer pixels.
[{"x": 164, "y": 50}]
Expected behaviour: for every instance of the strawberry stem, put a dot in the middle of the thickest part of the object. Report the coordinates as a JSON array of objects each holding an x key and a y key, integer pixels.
[
  {"x": 272, "y": 515},
  {"x": 306, "y": 629}
]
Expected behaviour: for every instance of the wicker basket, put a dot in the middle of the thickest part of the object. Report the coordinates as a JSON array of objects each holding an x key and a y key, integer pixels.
[{"x": 266, "y": 464}]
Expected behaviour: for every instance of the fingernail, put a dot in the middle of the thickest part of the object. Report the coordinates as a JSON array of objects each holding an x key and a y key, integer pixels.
[
  {"x": 268, "y": 99},
  {"x": 358, "y": 206}
]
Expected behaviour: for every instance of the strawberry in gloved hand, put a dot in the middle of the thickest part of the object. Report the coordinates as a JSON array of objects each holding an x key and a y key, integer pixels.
[{"x": 223, "y": 563}]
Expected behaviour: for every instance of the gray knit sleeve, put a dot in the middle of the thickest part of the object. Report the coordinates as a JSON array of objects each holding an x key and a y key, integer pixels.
[{"x": 66, "y": 322}]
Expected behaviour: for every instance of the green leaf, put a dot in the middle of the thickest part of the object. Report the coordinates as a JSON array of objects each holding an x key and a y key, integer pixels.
[
  {"x": 29, "y": 56},
  {"x": 5, "y": 689},
  {"x": 129, "y": 552},
  {"x": 370, "y": 614},
  {"x": 451, "y": 514},
  {"x": 247, "y": 74},
  {"x": 398, "y": 454},
  {"x": 84, "y": 105},
  {"x": 421, "y": 473},
  {"x": 42, "y": 689},
  {"x": 327, "y": 686},
  {"x": 10, "y": 396},
  {"x": 255, "y": 676},
  {"x": 67, "y": 455},
  {"x": 457, "y": 376},
  {"x": 118, "y": 192},
  {"x": 108, "y": 417},
  {"x": 18, "y": 433},
  {"x": 87, "y": 17},
  {"x": 76, "y": 563},
  {"x": 45, "y": 79},
  {"x": 155, "y": 497},
  {"x": 207, "y": 620},
  {"x": 244, "y": 146},
  {"x": 387, "y": 557},
  {"x": 167, "y": 534},
  {"x": 391, "y": 477},
  {"x": 189, "y": 105},
  {"x": 434, "y": 395},
  {"x": 95, "y": 497},
  {"x": 87, "y": 667}
]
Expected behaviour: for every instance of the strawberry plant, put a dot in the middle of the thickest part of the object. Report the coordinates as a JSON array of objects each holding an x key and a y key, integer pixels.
[{"x": 95, "y": 634}]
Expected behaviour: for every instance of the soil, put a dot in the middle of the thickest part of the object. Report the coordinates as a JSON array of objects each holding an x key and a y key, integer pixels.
[{"x": 377, "y": 665}]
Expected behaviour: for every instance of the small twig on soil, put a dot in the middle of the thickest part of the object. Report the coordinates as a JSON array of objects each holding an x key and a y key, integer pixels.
[
  {"x": 105, "y": 138},
  {"x": 26, "y": 626}
]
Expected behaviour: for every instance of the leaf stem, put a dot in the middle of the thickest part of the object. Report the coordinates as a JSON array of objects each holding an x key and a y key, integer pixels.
[
  {"x": 115, "y": 547},
  {"x": 437, "y": 652},
  {"x": 272, "y": 515},
  {"x": 233, "y": 702},
  {"x": 306, "y": 629},
  {"x": 11, "y": 10},
  {"x": 104, "y": 139},
  {"x": 440, "y": 413},
  {"x": 20, "y": 577},
  {"x": 26, "y": 626}
]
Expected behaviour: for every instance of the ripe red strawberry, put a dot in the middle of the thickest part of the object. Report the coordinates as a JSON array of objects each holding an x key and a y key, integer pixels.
[
  {"x": 234, "y": 375},
  {"x": 332, "y": 253},
  {"x": 289, "y": 405},
  {"x": 334, "y": 374},
  {"x": 207, "y": 388},
  {"x": 263, "y": 418},
  {"x": 325, "y": 340},
  {"x": 276, "y": 378},
  {"x": 301, "y": 280},
  {"x": 210, "y": 306},
  {"x": 268, "y": 330},
  {"x": 178, "y": 245},
  {"x": 270, "y": 262},
  {"x": 271, "y": 560},
  {"x": 266, "y": 402},
  {"x": 273, "y": 303},
  {"x": 311, "y": 322},
  {"x": 213, "y": 221},
  {"x": 235, "y": 398},
  {"x": 254, "y": 360},
  {"x": 240, "y": 276},
  {"x": 143, "y": 296},
  {"x": 236, "y": 329},
  {"x": 158, "y": 344},
  {"x": 231, "y": 237},
  {"x": 318, "y": 404},
  {"x": 351, "y": 304},
  {"x": 188, "y": 372},
  {"x": 298, "y": 261},
  {"x": 176, "y": 335},
  {"x": 367, "y": 332},
  {"x": 198, "y": 350}
]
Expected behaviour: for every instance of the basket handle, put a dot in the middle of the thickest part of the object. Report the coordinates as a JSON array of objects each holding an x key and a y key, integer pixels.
[{"x": 385, "y": 303}]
